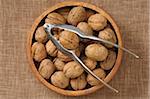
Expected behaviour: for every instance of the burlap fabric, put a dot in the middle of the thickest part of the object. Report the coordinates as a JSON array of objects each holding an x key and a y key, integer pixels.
[{"x": 18, "y": 82}]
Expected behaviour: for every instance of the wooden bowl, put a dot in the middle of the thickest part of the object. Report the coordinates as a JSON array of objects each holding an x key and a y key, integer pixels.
[{"x": 63, "y": 91}]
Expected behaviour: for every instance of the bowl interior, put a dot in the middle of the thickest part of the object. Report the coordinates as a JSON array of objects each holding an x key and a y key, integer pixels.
[{"x": 40, "y": 20}]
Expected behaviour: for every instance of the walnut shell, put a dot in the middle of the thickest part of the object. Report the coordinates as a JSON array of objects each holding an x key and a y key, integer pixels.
[
  {"x": 46, "y": 68},
  {"x": 59, "y": 79},
  {"x": 64, "y": 12},
  {"x": 41, "y": 35},
  {"x": 100, "y": 73},
  {"x": 63, "y": 56},
  {"x": 96, "y": 52},
  {"x": 38, "y": 51},
  {"x": 79, "y": 83},
  {"x": 85, "y": 28},
  {"x": 66, "y": 58},
  {"x": 59, "y": 64},
  {"x": 97, "y": 22},
  {"x": 55, "y": 18},
  {"x": 108, "y": 63},
  {"x": 72, "y": 69},
  {"x": 76, "y": 15},
  {"x": 91, "y": 64},
  {"x": 69, "y": 40},
  {"x": 51, "y": 49},
  {"x": 109, "y": 35}
]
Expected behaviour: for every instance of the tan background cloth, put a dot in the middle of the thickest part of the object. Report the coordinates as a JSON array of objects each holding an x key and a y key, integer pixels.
[{"x": 18, "y": 82}]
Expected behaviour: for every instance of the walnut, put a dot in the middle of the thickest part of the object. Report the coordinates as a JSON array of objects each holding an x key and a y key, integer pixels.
[
  {"x": 51, "y": 49},
  {"x": 96, "y": 52},
  {"x": 91, "y": 64},
  {"x": 85, "y": 28},
  {"x": 100, "y": 73},
  {"x": 76, "y": 15},
  {"x": 66, "y": 58},
  {"x": 55, "y": 18},
  {"x": 69, "y": 40},
  {"x": 72, "y": 69},
  {"x": 41, "y": 35},
  {"x": 46, "y": 68},
  {"x": 63, "y": 56},
  {"x": 59, "y": 64},
  {"x": 64, "y": 12},
  {"x": 109, "y": 35},
  {"x": 108, "y": 63},
  {"x": 59, "y": 79},
  {"x": 97, "y": 22},
  {"x": 38, "y": 51},
  {"x": 79, "y": 83}
]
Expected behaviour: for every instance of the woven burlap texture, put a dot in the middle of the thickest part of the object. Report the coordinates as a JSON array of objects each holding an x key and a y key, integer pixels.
[{"x": 18, "y": 82}]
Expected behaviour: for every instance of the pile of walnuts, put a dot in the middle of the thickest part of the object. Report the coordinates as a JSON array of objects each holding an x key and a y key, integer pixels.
[{"x": 58, "y": 68}]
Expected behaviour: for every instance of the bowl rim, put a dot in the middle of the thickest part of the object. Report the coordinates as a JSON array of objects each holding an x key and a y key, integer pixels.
[{"x": 59, "y": 90}]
